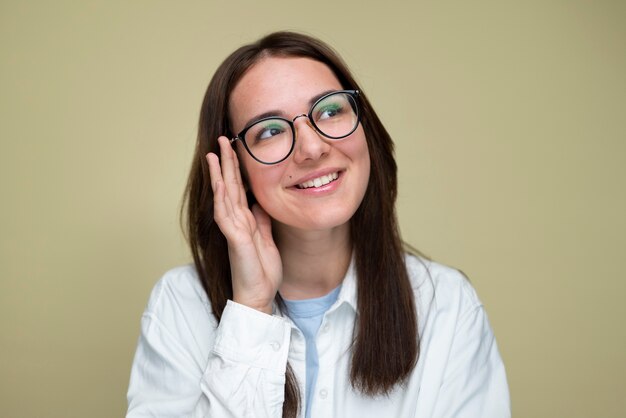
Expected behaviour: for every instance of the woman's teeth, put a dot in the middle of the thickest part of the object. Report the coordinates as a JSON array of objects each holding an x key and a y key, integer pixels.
[{"x": 320, "y": 181}]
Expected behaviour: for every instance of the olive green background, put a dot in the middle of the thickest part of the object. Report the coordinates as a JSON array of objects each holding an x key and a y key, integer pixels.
[{"x": 509, "y": 123}]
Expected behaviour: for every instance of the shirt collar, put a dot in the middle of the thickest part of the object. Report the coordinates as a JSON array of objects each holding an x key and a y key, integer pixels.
[{"x": 348, "y": 288}]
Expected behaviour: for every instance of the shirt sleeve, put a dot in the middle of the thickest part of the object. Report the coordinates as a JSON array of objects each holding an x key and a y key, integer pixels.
[
  {"x": 474, "y": 382},
  {"x": 243, "y": 375}
]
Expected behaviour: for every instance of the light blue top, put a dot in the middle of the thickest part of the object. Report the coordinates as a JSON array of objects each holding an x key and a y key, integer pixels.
[{"x": 307, "y": 314}]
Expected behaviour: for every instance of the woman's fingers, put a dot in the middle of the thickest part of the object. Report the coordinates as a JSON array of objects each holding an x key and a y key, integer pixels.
[
  {"x": 230, "y": 203},
  {"x": 215, "y": 171},
  {"x": 220, "y": 208},
  {"x": 242, "y": 197},
  {"x": 230, "y": 171}
]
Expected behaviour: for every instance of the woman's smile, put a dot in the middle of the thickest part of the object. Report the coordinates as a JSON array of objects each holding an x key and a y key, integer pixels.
[{"x": 317, "y": 182}]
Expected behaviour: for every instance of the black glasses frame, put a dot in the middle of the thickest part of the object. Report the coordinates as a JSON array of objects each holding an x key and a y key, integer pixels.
[{"x": 241, "y": 136}]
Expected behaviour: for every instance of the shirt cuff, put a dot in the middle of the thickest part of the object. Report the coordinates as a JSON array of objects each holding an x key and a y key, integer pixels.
[{"x": 245, "y": 335}]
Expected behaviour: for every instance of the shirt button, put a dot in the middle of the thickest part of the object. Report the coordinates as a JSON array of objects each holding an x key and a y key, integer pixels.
[
  {"x": 323, "y": 393},
  {"x": 326, "y": 327},
  {"x": 275, "y": 345}
]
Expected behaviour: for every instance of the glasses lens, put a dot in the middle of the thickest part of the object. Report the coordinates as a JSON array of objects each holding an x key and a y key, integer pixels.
[
  {"x": 269, "y": 140},
  {"x": 336, "y": 116}
]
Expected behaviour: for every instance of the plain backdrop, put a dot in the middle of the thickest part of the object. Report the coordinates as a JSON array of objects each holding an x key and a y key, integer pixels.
[{"x": 508, "y": 119}]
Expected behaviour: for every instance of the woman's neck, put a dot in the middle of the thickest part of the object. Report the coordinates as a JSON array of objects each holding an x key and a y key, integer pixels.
[{"x": 314, "y": 262}]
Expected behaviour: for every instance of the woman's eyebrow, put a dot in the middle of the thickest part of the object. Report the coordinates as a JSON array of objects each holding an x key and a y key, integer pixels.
[
  {"x": 264, "y": 115},
  {"x": 319, "y": 96},
  {"x": 281, "y": 113}
]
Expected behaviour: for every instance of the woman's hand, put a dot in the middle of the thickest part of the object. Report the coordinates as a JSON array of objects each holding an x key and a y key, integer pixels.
[{"x": 255, "y": 262}]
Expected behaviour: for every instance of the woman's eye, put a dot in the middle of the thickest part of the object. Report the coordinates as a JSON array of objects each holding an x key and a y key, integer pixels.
[
  {"x": 269, "y": 132},
  {"x": 329, "y": 112}
]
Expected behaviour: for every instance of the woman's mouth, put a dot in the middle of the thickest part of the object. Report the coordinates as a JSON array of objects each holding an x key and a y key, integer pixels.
[{"x": 319, "y": 181}]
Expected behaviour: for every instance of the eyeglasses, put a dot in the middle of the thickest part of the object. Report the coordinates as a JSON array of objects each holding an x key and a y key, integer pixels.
[{"x": 271, "y": 140}]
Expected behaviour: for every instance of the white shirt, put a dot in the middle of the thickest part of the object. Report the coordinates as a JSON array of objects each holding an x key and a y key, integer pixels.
[{"x": 186, "y": 365}]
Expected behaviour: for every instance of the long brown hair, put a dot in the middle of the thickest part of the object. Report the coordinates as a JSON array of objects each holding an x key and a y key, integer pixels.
[{"x": 387, "y": 319}]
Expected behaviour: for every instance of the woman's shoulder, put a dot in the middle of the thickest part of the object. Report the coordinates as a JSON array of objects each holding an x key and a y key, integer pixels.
[
  {"x": 177, "y": 326},
  {"x": 179, "y": 293}
]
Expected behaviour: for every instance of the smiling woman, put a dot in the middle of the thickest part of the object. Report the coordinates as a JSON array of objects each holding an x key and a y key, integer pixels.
[
  {"x": 301, "y": 300},
  {"x": 288, "y": 85}
]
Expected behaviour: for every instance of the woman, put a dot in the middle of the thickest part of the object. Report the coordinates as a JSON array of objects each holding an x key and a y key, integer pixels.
[{"x": 301, "y": 300}]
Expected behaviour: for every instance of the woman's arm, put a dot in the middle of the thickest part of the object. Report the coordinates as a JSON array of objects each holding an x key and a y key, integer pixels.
[
  {"x": 243, "y": 371},
  {"x": 237, "y": 371},
  {"x": 255, "y": 263}
]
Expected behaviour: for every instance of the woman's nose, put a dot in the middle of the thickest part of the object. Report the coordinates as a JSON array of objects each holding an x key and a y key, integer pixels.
[{"x": 310, "y": 145}]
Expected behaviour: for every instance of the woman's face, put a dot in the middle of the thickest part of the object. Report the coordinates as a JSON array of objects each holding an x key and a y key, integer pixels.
[{"x": 286, "y": 87}]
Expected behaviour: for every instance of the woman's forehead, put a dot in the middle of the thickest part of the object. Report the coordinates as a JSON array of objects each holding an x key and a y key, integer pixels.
[{"x": 280, "y": 83}]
